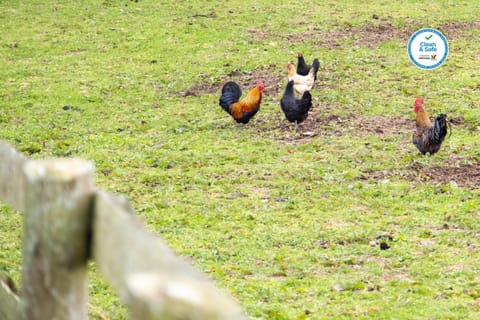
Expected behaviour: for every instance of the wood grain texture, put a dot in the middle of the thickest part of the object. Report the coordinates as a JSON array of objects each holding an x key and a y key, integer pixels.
[
  {"x": 57, "y": 225},
  {"x": 11, "y": 177},
  {"x": 149, "y": 278}
]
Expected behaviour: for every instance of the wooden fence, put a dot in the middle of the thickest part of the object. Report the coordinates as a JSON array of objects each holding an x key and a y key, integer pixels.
[{"x": 68, "y": 221}]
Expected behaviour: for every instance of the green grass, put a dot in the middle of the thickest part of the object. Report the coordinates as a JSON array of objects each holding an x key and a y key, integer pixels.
[{"x": 289, "y": 229}]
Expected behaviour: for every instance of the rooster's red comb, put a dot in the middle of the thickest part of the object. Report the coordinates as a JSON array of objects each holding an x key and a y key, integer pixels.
[{"x": 418, "y": 101}]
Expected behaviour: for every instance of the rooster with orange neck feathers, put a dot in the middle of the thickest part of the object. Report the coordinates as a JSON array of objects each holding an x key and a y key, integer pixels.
[
  {"x": 428, "y": 137},
  {"x": 241, "y": 110}
]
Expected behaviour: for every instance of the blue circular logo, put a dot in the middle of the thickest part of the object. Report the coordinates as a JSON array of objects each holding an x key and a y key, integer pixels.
[{"x": 427, "y": 48}]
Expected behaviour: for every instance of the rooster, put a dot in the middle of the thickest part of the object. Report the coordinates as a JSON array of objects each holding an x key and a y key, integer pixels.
[
  {"x": 301, "y": 83},
  {"x": 295, "y": 110},
  {"x": 303, "y": 68},
  {"x": 241, "y": 110},
  {"x": 428, "y": 137}
]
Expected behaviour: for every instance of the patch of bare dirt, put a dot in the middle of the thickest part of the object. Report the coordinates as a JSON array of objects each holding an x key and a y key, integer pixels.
[
  {"x": 370, "y": 35},
  {"x": 454, "y": 30},
  {"x": 467, "y": 176},
  {"x": 321, "y": 122},
  {"x": 457, "y": 121},
  {"x": 257, "y": 34},
  {"x": 246, "y": 80},
  {"x": 454, "y": 170}
]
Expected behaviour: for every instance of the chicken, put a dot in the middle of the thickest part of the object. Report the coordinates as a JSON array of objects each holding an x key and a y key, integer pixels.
[
  {"x": 301, "y": 83},
  {"x": 303, "y": 68},
  {"x": 428, "y": 137},
  {"x": 241, "y": 110},
  {"x": 295, "y": 110}
]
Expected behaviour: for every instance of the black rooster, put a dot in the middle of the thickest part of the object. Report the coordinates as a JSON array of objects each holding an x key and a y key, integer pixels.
[
  {"x": 295, "y": 110},
  {"x": 303, "y": 68}
]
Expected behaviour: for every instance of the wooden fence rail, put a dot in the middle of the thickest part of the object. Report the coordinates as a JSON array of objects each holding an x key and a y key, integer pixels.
[{"x": 67, "y": 222}]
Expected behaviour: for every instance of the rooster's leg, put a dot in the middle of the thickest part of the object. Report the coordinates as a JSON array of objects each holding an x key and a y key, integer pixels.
[{"x": 296, "y": 126}]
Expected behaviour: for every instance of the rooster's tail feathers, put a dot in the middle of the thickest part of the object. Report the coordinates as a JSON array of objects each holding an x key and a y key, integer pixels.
[
  {"x": 316, "y": 64},
  {"x": 440, "y": 128},
  {"x": 305, "y": 102},
  {"x": 302, "y": 67},
  {"x": 315, "y": 67},
  {"x": 231, "y": 93}
]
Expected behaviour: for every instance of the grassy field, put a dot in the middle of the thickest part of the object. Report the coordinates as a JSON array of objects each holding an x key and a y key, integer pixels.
[{"x": 289, "y": 224}]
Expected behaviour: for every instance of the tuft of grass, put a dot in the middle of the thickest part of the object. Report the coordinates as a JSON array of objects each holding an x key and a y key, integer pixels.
[{"x": 287, "y": 224}]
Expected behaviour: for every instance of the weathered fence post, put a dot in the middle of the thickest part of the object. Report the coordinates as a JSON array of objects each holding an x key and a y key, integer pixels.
[
  {"x": 58, "y": 197},
  {"x": 68, "y": 221},
  {"x": 11, "y": 176},
  {"x": 9, "y": 301},
  {"x": 148, "y": 276}
]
